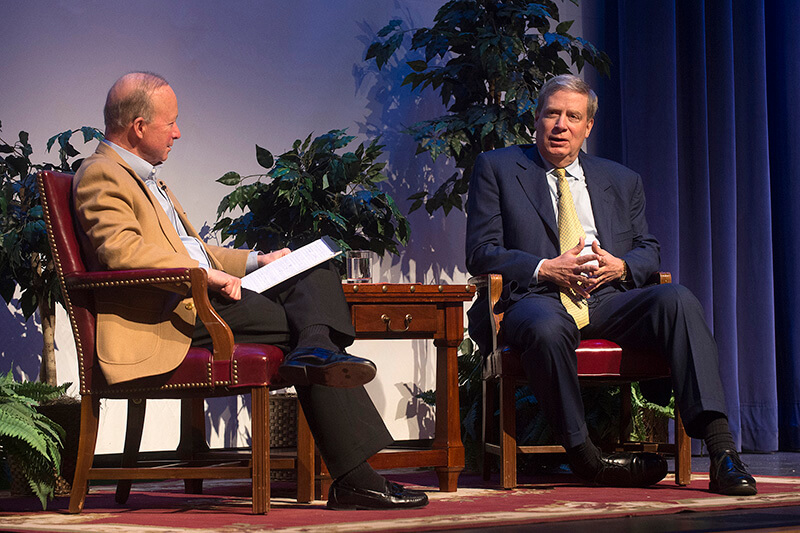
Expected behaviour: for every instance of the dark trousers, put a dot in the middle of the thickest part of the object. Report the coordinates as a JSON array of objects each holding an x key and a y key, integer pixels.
[
  {"x": 346, "y": 426},
  {"x": 667, "y": 318}
]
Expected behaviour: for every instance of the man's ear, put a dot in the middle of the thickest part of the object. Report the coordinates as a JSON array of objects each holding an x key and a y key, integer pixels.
[
  {"x": 589, "y": 125},
  {"x": 138, "y": 127}
]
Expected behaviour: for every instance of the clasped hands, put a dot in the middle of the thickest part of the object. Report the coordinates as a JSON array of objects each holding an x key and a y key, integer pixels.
[
  {"x": 574, "y": 271},
  {"x": 230, "y": 286}
]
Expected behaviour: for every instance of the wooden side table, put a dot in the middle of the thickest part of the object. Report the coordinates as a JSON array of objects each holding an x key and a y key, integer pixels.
[{"x": 416, "y": 311}]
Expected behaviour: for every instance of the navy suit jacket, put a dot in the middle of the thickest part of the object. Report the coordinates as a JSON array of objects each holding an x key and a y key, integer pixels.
[{"x": 511, "y": 224}]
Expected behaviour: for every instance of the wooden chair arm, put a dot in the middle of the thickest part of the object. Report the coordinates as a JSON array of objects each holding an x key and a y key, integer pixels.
[
  {"x": 163, "y": 278},
  {"x": 660, "y": 278},
  {"x": 492, "y": 286},
  {"x": 221, "y": 334}
]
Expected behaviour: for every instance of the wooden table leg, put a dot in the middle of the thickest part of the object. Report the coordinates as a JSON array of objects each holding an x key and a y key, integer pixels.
[{"x": 448, "y": 418}]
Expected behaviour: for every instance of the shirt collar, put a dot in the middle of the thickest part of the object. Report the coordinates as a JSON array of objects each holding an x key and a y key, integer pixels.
[
  {"x": 142, "y": 168},
  {"x": 574, "y": 169}
]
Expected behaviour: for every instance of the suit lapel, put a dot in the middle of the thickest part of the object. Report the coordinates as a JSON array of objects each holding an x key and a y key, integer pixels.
[
  {"x": 601, "y": 196},
  {"x": 533, "y": 180},
  {"x": 163, "y": 221}
]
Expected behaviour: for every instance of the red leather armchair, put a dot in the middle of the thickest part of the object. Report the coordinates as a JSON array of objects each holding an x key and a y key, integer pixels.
[
  {"x": 231, "y": 369},
  {"x": 599, "y": 362}
]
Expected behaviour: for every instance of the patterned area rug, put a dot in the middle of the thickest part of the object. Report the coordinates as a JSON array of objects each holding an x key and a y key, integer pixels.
[{"x": 225, "y": 507}]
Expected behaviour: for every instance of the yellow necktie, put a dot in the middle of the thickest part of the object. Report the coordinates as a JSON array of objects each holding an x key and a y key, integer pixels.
[{"x": 570, "y": 232}]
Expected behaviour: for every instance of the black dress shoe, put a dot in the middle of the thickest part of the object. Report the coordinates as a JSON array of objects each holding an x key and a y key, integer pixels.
[
  {"x": 393, "y": 496},
  {"x": 729, "y": 475},
  {"x": 318, "y": 366},
  {"x": 627, "y": 469}
]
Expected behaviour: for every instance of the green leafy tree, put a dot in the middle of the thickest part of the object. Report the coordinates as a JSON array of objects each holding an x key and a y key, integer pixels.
[
  {"x": 311, "y": 191},
  {"x": 30, "y": 438},
  {"x": 25, "y": 258},
  {"x": 487, "y": 59}
]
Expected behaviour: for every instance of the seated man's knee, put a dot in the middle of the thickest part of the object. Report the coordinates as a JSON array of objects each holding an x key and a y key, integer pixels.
[
  {"x": 540, "y": 330},
  {"x": 676, "y": 299}
]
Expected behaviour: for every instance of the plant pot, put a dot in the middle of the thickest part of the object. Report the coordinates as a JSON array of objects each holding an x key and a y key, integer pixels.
[
  {"x": 18, "y": 484},
  {"x": 656, "y": 426},
  {"x": 283, "y": 429},
  {"x": 66, "y": 412}
]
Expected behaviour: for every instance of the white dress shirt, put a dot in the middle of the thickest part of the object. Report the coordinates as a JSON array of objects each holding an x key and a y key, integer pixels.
[{"x": 580, "y": 197}]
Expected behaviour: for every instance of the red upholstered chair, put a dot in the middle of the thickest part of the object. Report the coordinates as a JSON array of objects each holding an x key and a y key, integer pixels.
[
  {"x": 599, "y": 362},
  {"x": 231, "y": 369}
]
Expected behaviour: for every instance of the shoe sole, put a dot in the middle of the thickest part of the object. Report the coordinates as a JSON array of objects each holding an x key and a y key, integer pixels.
[
  {"x": 335, "y": 505},
  {"x": 341, "y": 507},
  {"x": 738, "y": 490},
  {"x": 654, "y": 474},
  {"x": 340, "y": 375},
  {"x": 346, "y": 507}
]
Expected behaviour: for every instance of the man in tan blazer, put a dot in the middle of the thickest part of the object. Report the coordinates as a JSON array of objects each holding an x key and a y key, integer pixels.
[{"x": 131, "y": 220}]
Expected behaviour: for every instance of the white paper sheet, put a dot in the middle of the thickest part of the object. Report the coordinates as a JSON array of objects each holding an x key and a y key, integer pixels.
[{"x": 290, "y": 265}]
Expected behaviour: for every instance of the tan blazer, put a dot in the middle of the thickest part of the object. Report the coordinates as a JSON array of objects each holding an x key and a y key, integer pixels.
[{"x": 140, "y": 331}]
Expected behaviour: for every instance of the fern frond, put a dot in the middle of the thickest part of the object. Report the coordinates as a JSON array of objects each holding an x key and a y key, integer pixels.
[
  {"x": 40, "y": 392},
  {"x": 28, "y": 436}
]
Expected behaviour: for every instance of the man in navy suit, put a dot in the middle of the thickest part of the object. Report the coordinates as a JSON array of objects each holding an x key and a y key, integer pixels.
[{"x": 515, "y": 197}]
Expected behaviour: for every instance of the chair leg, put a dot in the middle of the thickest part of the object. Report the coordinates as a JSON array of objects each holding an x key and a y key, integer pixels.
[
  {"x": 323, "y": 481},
  {"x": 683, "y": 452},
  {"x": 90, "y": 418},
  {"x": 193, "y": 437},
  {"x": 625, "y": 413},
  {"x": 259, "y": 401},
  {"x": 488, "y": 426},
  {"x": 305, "y": 459},
  {"x": 508, "y": 433},
  {"x": 133, "y": 440}
]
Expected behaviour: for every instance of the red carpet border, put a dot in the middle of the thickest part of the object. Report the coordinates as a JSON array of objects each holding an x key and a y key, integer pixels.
[{"x": 225, "y": 508}]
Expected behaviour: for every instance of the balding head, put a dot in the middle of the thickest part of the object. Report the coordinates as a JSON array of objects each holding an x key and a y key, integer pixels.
[
  {"x": 141, "y": 116},
  {"x": 129, "y": 98}
]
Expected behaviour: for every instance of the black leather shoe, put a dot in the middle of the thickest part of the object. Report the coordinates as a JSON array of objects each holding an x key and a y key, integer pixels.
[
  {"x": 729, "y": 475},
  {"x": 393, "y": 496},
  {"x": 627, "y": 469},
  {"x": 318, "y": 366}
]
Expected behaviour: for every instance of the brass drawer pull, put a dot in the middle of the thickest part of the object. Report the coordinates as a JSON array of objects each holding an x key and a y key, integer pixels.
[{"x": 388, "y": 321}]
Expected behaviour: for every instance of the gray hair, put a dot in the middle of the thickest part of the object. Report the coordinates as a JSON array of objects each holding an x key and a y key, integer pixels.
[
  {"x": 130, "y": 98},
  {"x": 568, "y": 82}
]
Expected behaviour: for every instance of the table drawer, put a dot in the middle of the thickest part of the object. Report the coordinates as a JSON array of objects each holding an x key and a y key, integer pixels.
[{"x": 394, "y": 318}]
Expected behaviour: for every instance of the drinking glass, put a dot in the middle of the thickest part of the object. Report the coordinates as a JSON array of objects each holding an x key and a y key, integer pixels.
[{"x": 359, "y": 266}]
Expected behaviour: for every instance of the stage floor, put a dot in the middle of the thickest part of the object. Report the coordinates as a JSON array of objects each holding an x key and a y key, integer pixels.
[
  {"x": 551, "y": 502},
  {"x": 774, "y": 519}
]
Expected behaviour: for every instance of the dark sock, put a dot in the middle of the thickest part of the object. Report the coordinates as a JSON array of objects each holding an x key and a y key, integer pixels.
[
  {"x": 363, "y": 477},
  {"x": 584, "y": 459},
  {"x": 717, "y": 435},
  {"x": 318, "y": 336}
]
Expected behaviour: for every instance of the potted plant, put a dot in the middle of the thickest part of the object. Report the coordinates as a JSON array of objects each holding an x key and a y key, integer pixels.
[
  {"x": 25, "y": 259},
  {"x": 30, "y": 441},
  {"x": 487, "y": 59},
  {"x": 650, "y": 420},
  {"x": 26, "y": 263},
  {"x": 311, "y": 191}
]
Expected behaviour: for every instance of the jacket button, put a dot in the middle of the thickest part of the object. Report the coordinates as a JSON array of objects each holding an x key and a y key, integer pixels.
[{"x": 189, "y": 306}]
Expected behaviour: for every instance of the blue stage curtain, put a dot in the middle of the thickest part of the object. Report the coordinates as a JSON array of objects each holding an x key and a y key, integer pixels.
[{"x": 703, "y": 101}]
